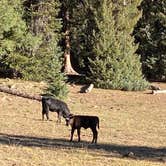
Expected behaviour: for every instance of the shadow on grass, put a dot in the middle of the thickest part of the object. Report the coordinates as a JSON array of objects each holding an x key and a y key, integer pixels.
[{"x": 112, "y": 150}]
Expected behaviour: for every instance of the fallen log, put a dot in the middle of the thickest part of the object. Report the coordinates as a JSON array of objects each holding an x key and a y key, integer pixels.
[
  {"x": 86, "y": 88},
  {"x": 20, "y": 94},
  {"x": 158, "y": 91},
  {"x": 89, "y": 89}
]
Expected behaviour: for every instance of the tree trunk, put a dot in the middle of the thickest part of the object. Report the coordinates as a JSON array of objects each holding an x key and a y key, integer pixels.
[
  {"x": 20, "y": 94},
  {"x": 68, "y": 69}
]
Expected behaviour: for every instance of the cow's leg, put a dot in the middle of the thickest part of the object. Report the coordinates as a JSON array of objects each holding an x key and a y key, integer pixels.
[
  {"x": 47, "y": 114},
  {"x": 45, "y": 110},
  {"x": 43, "y": 116},
  {"x": 78, "y": 133},
  {"x": 59, "y": 116},
  {"x": 95, "y": 134},
  {"x": 72, "y": 132}
]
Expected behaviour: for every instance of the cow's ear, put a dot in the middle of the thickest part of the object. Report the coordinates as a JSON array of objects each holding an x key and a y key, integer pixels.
[{"x": 71, "y": 116}]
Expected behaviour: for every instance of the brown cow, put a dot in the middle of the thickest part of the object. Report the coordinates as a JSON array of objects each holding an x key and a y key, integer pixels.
[{"x": 78, "y": 121}]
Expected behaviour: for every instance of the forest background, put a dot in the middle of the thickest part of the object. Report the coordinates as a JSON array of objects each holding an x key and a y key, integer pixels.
[{"x": 112, "y": 44}]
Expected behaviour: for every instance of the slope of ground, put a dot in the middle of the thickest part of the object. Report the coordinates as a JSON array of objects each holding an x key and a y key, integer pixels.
[{"x": 132, "y": 129}]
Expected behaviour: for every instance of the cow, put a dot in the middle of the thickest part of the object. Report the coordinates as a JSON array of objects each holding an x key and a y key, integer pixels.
[
  {"x": 54, "y": 105},
  {"x": 78, "y": 121}
]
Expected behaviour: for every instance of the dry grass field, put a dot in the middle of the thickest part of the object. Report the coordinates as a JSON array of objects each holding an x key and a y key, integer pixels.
[{"x": 132, "y": 129}]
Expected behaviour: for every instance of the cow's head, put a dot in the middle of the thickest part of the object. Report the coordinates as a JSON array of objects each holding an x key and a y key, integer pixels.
[{"x": 68, "y": 119}]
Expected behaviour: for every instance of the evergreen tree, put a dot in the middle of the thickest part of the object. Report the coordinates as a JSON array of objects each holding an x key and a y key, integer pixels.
[
  {"x": 150, "y": 33},
  {"x": 83, "y": 25},
  {"x": 78, "y": 27},
  {"x": 47, "y": 58},
  {"x": 29, "y": 36},
  {"x": 114, "y": 63},
  {"x": 104, "y": 61},
  {"x": 14, "y": 36}
]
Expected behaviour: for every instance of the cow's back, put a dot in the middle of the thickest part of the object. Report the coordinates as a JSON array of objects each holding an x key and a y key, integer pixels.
[{"x": 85, "y": 121}]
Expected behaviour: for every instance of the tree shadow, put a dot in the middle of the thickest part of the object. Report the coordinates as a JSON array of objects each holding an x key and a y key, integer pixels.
[{"x": 112, "y": 150}]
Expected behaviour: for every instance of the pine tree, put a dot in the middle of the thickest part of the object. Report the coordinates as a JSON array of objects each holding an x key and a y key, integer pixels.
[
  {"x": 65, "y": 14},
  {"x": 82, "y": 28},
  {"x": 114, "y": 63},
  {"x": 47, "y": 58},
  {"x": 14, "y": 36},
  {"x": 150, "y": 33},
  {"x": 104, "y": 62},
  {"x": 29, "y": 36}
]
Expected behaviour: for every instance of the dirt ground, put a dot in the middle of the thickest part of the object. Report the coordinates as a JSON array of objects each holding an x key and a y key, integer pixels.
[{"x": 132, "y": 128}]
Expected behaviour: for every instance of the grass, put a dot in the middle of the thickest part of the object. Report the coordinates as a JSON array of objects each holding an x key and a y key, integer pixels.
[{"x": 132, "y": 129}]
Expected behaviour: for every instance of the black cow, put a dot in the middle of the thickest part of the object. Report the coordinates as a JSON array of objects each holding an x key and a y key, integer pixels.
[
  {"x": 54, "y": 105},
  {"x": 78, "y": 121}
]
